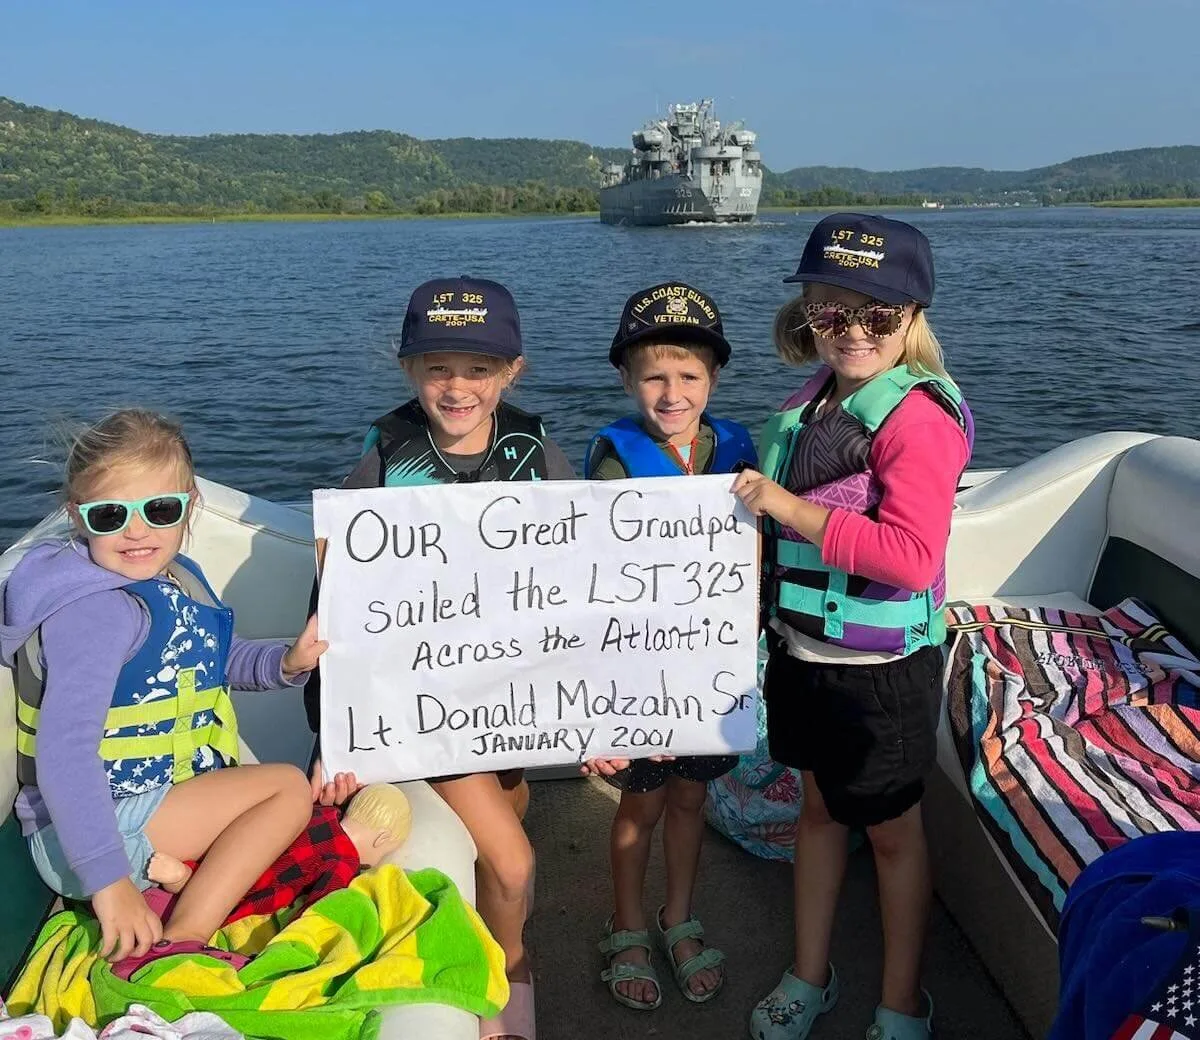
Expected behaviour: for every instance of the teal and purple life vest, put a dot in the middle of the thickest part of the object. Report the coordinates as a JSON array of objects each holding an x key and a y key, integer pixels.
[{"x": 825, "y": 459}]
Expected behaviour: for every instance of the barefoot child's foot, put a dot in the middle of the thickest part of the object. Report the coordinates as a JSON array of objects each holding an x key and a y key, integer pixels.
[{"x": 167, "y": 871}]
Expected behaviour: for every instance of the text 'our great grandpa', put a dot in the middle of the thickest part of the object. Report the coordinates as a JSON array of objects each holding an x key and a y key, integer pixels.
[{"x": 509, "y": 523}]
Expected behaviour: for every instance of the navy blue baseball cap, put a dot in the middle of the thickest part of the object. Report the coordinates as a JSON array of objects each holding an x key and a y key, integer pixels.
[
  {"x": 674, "y": 313},
  {"x": 885, "y": 259},
  {"x": 470, "y": 315}
]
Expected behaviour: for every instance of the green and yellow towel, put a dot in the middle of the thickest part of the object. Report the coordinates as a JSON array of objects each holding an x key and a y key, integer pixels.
[{"x": 389, "y": 938}]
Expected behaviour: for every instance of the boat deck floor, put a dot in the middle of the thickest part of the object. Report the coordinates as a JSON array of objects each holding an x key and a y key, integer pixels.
[{"x": 745, "y": 904}]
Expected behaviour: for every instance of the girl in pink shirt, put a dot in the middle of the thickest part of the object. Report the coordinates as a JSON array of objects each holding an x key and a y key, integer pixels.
[{"x": 859, "y": 474}]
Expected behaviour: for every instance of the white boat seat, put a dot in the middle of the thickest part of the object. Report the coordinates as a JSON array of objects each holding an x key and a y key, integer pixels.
[
  {"x": 258, "y": 556},
  {"x": 1080, "y": 528}
]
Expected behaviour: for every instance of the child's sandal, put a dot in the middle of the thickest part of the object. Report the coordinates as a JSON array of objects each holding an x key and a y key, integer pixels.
[
  {"x": 124, "y": 969},
  {"x": 516, "y": 1018},
  {"x": 625, "y": 971},
  {"x": 709, "y": 957}
]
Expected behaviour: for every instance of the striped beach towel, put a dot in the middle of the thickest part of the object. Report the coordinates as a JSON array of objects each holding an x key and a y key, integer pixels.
[{"x": 1076, "y": 732}]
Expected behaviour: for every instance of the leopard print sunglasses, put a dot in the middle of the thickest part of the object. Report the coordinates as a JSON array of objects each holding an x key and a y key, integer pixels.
[{"x": 830, "y": 319}]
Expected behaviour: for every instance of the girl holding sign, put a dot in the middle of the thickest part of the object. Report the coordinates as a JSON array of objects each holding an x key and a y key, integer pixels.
[
  {"x": 461, "y": 349},
  {"x": 860, "y": 469},
  {"x": 669, "y": 348},
  {"x": 124, "y": 659}
]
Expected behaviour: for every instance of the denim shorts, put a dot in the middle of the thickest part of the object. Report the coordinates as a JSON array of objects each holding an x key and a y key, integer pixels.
[{"x": 133, "y": 813}]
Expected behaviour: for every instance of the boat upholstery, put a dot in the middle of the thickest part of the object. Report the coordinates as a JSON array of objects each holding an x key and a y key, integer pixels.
[
  {"x": 258, "y": 556},
  {"x": 1085, "y": 526},
  {"x": 1080, "y": 528}
]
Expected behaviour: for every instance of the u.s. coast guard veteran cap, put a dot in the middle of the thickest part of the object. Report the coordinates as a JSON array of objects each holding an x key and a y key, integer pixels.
[
  {"x": 470, "y": 315},
  {"x": 674, "y": 313},
  {"x": 886, "y": 259}
]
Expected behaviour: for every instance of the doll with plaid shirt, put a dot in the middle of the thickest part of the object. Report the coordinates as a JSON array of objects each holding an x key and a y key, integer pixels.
[{"x": 325, "y": 857}]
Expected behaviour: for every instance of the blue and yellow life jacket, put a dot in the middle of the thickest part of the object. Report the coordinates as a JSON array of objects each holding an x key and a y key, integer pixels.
[
  {"x": 826, "y": 459},
  {"x": 517, "y": 450},
  {"x": 171, "y": 715},
  {"x": 642, "y": 456}
]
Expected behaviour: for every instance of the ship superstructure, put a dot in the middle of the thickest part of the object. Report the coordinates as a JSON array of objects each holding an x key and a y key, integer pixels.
[{"x": 686, "y": 167}]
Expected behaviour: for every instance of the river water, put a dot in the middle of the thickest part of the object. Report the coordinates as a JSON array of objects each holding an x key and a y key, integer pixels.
[{"x": 272, "y": 341}]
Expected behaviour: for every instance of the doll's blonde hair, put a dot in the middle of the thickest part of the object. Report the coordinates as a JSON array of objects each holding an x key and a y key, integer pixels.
[
  {"x": 383, "y": 807},
  {"x": 794, "y": 341}
]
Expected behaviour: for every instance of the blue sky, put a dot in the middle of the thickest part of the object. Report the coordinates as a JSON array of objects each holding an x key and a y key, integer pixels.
[{"x": 882, "y": 84}]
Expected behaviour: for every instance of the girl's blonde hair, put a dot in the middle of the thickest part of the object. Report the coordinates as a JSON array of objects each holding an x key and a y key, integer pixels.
[
  {"x": 131, "y": 437},
  {"x": 794, "y": 341},
  {"x": 384, "y": 807}
]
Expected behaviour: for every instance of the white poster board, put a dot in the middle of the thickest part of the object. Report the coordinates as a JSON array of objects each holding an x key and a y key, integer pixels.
[{"x": 475, "y": 627}]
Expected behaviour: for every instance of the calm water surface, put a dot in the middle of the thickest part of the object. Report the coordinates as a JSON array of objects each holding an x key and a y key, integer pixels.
[{"x": 271, "y": 341}]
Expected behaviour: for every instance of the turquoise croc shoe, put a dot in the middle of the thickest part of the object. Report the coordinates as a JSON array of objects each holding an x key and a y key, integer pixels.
[
  {"x": 891, "y": 1025},
  {"x": 790, "y": 1009}
]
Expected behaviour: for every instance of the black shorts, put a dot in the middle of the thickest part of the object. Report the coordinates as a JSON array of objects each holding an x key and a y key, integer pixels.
[
  {"x": 867, "y": 732},
  {"x": 642, "y": 775}
]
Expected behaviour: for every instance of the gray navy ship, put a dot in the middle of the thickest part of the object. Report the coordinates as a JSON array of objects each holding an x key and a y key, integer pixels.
[{"x": 683, "y": 169}]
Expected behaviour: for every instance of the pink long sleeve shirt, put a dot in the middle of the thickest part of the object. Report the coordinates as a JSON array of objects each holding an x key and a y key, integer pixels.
[{"x": 917, "y": 456}]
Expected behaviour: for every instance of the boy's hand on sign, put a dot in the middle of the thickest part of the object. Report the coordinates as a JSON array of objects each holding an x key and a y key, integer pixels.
[
  {"x": 603, "y": 766},
  {"x": 337, "y": 791}
]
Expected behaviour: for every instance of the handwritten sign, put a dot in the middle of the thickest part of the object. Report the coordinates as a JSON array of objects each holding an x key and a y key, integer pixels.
[{"x": 474, "y": 627}]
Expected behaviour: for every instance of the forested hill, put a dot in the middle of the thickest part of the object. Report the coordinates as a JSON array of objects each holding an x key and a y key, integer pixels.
[
  {"x": 55, "y": 162},
  {"x": 1138, "y": 173},
  {"x": 74, "y": 158}
]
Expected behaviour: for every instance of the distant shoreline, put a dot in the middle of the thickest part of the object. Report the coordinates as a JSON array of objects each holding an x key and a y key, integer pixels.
[
  {"x": 78, "y": 220},
  {"x": 75, "y": 220},
  {"x": 1146, "y": 203},
  {"x": 70, "y": 220},
  {"x": 874, "y": 207}
]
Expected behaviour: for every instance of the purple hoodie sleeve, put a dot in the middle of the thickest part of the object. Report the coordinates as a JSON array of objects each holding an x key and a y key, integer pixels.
[
  {"x": 258, "y": 665},
  {"x": 89, "y": 641}
]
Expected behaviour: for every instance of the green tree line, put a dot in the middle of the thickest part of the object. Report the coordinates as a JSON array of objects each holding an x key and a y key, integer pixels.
[
  {"x": 533, "y": 197},
  {"x": 55, "y": 163},
  {"x": 831, "y": 196}
]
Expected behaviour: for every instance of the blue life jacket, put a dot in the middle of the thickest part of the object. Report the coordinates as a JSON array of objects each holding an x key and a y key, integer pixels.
[
  {"x": 171, "y": 715},
  {"x": 642, "y": 456},
  {"x": 517, "y": 450}
]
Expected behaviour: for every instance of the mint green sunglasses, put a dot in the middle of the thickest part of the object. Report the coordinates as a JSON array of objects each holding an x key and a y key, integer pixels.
[{"x": 112, "y": 516}]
